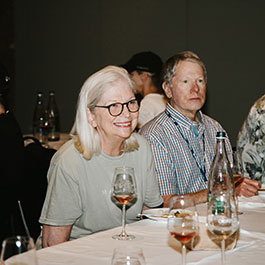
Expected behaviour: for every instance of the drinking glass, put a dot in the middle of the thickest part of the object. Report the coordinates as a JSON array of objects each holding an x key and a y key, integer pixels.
[
  {"x": 18, "y": 250},
  {"x": 124, "y": 191},
  {"x": 222, "y": 217},
  {"x": 236, "y": 167},
  {"x": 128, "y": 256},
  {"x": 182, "y": 221}
]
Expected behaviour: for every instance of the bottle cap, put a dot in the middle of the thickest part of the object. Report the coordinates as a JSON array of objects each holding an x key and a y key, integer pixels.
[{"x": 220, "y": 135}]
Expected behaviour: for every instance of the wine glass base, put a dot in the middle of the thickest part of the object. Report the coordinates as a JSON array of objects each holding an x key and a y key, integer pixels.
[{"x": 123, "y": 237}]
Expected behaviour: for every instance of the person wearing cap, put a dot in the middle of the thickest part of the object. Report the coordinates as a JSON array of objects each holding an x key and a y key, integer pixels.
[
  {"x": 145, "y": 69},
  {"x": 183, "y": 139}
]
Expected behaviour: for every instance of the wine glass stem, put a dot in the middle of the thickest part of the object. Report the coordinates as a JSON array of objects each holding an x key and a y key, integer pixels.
[
  {"x": 183, "y": 256},
  {"x": 123, "y": 233},
  {"x": 223, "y": 252}
]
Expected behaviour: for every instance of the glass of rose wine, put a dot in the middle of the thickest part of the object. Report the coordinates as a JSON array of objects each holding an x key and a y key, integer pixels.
[
  {"x": 124, "y": 191},
  {"x": 182, "y": 222}
]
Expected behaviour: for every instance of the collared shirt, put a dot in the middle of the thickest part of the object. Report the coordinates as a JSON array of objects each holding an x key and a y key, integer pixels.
[{"x": 173, "y": 138}]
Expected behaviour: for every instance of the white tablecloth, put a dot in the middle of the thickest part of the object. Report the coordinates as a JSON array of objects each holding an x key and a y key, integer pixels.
[{"x": 153, "y": 238}]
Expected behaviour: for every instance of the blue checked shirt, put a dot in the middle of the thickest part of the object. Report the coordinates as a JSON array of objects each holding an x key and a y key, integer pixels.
[{"x": 172, "y": 137}]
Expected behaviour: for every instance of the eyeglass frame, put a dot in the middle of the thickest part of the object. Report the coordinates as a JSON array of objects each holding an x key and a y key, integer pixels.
[{"x": 122, "y": 107}]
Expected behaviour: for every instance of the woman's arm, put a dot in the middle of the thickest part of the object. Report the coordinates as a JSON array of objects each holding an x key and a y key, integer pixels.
[{"x": 53, "y": 235}]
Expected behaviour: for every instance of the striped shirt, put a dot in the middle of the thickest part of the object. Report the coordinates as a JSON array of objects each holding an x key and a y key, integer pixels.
[{"x": 182, "y": 149}]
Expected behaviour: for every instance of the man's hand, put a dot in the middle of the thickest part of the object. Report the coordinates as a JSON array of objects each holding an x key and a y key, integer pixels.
[{"x": 247, "y": 187}]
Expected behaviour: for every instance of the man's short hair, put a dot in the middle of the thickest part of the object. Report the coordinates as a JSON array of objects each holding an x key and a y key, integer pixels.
[{"x": 169, "y": 68}]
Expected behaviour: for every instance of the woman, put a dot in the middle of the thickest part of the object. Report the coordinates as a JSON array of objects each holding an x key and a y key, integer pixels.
[{"x": 78, "y": 200}]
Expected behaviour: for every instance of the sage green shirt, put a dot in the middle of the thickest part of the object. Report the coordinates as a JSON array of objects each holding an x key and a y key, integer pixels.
[{"x": 79, "y": 190}]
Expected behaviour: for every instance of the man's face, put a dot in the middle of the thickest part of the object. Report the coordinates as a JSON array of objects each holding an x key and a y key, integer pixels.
[
  {"x": 187, "y": 92},
  {"x": 139, "y": 84}
]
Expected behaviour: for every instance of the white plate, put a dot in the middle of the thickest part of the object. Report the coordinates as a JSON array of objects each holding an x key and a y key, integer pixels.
[{"x": 160, "y": 214}]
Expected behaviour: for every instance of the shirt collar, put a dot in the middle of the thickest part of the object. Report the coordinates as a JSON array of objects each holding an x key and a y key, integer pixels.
[{"x": 182, "y": 120}]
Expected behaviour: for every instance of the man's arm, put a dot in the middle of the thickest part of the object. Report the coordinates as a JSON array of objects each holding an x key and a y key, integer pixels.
[
  {"x": 199, "y": 197},
  {"x": 53, "y": 235},
  {"x": 244, "y": 187}
]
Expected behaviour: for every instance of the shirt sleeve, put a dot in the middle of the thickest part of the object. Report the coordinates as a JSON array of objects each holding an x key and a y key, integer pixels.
[
  {"x": 62, "y": 204},
  {"x": 163, "y": 167},
  {"x": 149, "y": 188}
]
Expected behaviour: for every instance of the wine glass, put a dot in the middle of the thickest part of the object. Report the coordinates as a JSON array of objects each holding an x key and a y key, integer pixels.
[
  {"x": 128, "y": 256},
  {"x": 182, "y": 222},
  {"x": 124, "y": 191},
  {"x": 18, "y": 250},
  {"x": 236, "y": 167},
  {"x": 222, "y": 217}
]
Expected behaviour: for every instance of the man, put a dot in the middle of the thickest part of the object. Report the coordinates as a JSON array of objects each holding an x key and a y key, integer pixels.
[
  {"x": 251, "y": 143},
  {"x": 145, "y": 69},
  {"x": 182, "y": 138}
]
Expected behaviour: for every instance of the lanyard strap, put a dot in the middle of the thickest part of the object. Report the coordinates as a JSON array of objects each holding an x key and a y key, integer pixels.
[{"x": 202, "y": 168}]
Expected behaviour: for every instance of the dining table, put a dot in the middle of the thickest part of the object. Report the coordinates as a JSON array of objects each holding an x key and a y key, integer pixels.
[
  {"x": 64, "y": 137},
  {"x": 160, "y": 248}
]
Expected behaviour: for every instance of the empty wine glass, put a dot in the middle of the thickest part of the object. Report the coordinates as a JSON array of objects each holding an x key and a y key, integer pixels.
[
  {"x": 18, "y": 250},
  {"x": 128, "y": 256},
  {"x": 124, "y": 191},
  {"x": 182, "y": 221},
  {"x": 222, "y": 217}
]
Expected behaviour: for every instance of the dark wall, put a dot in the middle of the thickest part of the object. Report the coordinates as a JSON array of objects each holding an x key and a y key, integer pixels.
[
  {"x": 7, "y": 48},
  {"x": 60, "y": 43}
]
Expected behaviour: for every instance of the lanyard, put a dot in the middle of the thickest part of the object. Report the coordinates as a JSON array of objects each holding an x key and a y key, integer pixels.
[{"x": 202, "y": 168}]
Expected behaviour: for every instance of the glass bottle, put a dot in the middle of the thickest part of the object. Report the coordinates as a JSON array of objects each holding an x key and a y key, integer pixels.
[
  {"x": 54, "y": 120},
  {"x": 40, "y": 123},
  {"x": 220, "y": 177}
]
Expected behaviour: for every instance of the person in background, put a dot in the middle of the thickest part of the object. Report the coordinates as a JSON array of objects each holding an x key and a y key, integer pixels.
[
  {"x": 11, "y": 164},
  {"x": 145, "y": 71},
  {"x": 183, "y": 139},
  {"x": 78, "y": 200},
  {"x": 251, "y": 143}
]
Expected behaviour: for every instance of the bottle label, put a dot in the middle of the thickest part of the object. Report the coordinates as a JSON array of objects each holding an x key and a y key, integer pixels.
[{"x": 218, "y": 205}]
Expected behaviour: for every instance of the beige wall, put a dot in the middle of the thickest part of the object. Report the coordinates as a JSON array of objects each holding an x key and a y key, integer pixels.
[{"x": 60, "y": 43}]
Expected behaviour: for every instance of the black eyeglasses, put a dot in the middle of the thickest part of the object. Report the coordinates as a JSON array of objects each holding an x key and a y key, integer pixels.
[{"x": 116, "y": 109}]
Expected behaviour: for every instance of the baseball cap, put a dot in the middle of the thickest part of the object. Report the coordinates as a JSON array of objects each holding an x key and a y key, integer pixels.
[{"x": 144, "y": 61}]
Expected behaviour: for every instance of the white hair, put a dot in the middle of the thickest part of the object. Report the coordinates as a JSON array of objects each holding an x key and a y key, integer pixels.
[{"x": 87, "y": 139}]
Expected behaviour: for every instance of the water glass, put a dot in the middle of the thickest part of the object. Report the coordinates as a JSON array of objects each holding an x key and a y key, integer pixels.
[
  {"x": 18, "y": 250},
  {"x": 128, "y": 256}
]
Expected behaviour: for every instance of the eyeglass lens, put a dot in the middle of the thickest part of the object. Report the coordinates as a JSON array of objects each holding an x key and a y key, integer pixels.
[{"x": 117, "y": 108}]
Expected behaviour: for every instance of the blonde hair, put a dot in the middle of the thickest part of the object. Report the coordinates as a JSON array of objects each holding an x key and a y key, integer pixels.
[{"x": 86, "y": 137}]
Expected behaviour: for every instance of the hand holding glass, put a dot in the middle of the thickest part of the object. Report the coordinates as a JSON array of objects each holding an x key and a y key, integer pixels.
[
  {"x": 124, "y": 191},
  {"x": 182, "y": 221}
]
